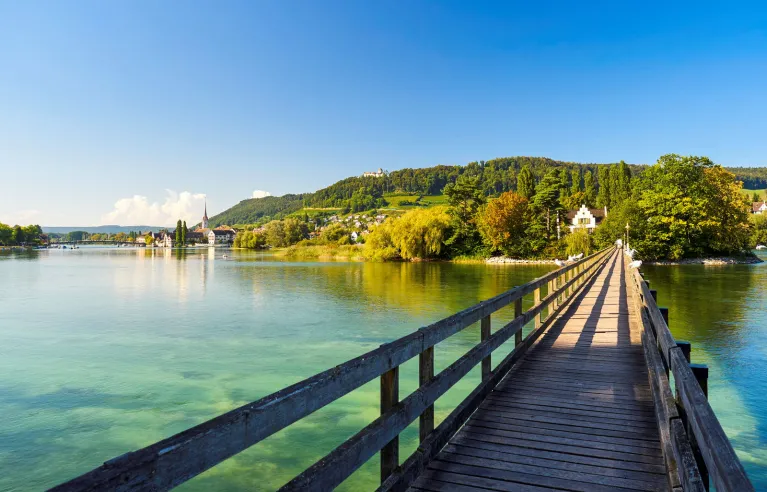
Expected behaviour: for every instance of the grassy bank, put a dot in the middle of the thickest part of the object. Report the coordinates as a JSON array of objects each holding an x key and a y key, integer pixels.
[{"x": 321, "y": 252}]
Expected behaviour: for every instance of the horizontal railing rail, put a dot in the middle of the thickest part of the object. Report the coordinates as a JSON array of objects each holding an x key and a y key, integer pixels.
[
  {"x": 693, "y": 441},
  {"x": 172, "y": 461}
]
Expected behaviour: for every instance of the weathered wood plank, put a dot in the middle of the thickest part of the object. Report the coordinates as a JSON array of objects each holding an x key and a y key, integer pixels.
[
  {"x": 484, "y": 335},
  {"x": 559, "y": 457},
  {"x": 571, "y": 433},
  {"x": 534, "y": 417},
  {"x": 553, "y": 461},
  {"x": 591, "y": 481},
  {"x": 389, "y": 398},
  {"x": 559, "y": 439},
  {"x": 425, "y": 374},
  {"x": 431, "y": 476},
  {"x": 723, "y": 465},
  {"x": 509, "y": 478}
]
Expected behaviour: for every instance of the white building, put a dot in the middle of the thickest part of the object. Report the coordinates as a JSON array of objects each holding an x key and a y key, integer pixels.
[
  {"x": 163, "y": 240},
  {"x": 758, "y": 207},
  {"x": 376, "y": 174},
  {"x": 354, "y": 236},
  {"x": 217, "y": 236},
  {"x": 587, "y": 218}
]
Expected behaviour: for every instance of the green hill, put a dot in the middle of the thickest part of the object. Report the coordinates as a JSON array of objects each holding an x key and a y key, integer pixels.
[{"x": 358, "y": 193}]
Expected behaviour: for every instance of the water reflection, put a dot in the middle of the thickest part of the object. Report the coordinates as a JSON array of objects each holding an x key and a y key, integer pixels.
[
  {"x": 110, "y": 350},
  {"x": 721, "y": 311}
]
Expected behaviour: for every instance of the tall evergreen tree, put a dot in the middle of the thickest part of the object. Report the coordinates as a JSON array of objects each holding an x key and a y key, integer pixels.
[
  {"x": 575, "y": 179},
  {"x": 178, "y": 232},
  {"x": 624, "y": 179},
  {"x": 564, "y": 186},
  {"x": 588, "y": 189},
  {"x": 526, "y": 183},
  {"x": 465, "y": 198},
  {"x": 603, "y": 180},
  {"x": 183, "y": 234},
  {"x": 616, "y": 193},
  {"x": 546, "y": 198}
]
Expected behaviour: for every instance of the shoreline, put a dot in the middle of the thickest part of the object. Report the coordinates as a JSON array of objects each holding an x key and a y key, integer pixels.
[
  {"x": 306, "y": 253},
  {"x": 711, "y": 261}
]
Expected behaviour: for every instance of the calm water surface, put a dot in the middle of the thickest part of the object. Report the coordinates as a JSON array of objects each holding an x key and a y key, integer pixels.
[
  {"x": 722, "y": 311},
  {"x": 104, "y": 351},
  {"x": 108, "y": 350}
]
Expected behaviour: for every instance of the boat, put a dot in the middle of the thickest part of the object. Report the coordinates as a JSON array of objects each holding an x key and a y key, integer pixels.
[{"x": 761, "y": 246}]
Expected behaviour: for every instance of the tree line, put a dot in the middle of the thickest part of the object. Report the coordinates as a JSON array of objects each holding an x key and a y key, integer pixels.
[
  {"x": 20, "y": 235},
  {"x": 680, "y": 207},
  {"x": 496, "y": 176}
]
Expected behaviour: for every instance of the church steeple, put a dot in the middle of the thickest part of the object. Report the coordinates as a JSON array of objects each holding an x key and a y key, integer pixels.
[{"x": 205, "y": 216}]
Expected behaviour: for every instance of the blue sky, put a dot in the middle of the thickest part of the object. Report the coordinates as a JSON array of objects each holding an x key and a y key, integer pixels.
[{"x": 104, "y": 106}]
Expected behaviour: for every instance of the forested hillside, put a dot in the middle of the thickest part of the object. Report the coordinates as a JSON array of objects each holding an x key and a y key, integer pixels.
[
  {"x": 754, "y": 178},
  {"x": 255, "y": 209},
  {"x": 494, "y": 177}
]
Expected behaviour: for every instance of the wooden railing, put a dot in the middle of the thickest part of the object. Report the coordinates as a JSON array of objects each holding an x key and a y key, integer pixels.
[
  {"x": 694, "y": 444},
  {"x": 170, "y": 462}
]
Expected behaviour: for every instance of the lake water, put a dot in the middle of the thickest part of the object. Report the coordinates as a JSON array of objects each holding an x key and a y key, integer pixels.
[{"x": 104, "y": 351}]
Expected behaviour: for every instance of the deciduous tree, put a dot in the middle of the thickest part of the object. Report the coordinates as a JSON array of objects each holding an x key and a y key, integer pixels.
[{"x": 503, "y": 221}]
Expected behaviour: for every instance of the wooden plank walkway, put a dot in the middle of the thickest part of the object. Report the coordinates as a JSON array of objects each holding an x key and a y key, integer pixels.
[{"x": 575, "y": 414}]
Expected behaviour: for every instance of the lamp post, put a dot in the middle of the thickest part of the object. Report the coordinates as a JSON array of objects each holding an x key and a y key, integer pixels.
[{"x": 627, "y": 235}]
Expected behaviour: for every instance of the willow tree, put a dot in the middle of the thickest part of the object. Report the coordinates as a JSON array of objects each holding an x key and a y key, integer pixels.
[{"x": 418, "y": 234}]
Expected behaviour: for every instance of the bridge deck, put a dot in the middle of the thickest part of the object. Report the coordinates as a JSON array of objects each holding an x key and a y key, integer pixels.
[{"x": 576, "y": 414}]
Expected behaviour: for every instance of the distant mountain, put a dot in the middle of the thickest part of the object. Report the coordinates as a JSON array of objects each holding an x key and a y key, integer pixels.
[{"x": 111, "y": 229}]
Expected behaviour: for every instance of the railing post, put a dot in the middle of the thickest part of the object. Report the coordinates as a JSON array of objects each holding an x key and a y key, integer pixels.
[
  {"x": 484, "y": 335},
  {"x": 425, "y": 374},
  {"x": 537, "y": 302},
  {"x": 664, "y": 314},
  {"x": 389, "y": 398},
  {"x": 517, "y": 314},
  {"x": 549, "y": 291},
  {"x": 700, "y": 371},
  {"x": 686, "y": 349}
]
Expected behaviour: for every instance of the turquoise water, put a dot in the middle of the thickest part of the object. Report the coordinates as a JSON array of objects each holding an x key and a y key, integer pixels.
[
  {"x": 722, "y": 311},
  {"x": 108, "y": 350}
]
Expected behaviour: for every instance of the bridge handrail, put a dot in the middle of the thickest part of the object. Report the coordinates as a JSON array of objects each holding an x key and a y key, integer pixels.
[
  {"x": 695, "y": 416},
  {"x": 174, "y": 460}
]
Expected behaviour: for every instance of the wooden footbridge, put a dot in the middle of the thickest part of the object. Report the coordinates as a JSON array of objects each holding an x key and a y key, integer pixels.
[{"x": 582, "y": 403}]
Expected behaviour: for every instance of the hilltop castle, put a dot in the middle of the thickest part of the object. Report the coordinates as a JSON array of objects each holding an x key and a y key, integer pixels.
[{"x": 375, "y": 174}]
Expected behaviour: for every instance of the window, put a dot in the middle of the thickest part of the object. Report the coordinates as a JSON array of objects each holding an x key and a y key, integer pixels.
[{"x": 584, "y": 221}]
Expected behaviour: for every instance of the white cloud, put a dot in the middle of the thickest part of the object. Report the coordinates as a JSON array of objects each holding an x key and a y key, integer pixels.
[
  {"x": 261, "y": 194},
  {"x": 21, "y": 217},
  {"x": 138, "y": 211}
]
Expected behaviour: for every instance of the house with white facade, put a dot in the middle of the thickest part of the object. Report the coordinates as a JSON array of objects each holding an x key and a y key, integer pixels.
[
  {"x": 758, "y": 207},
  {"x": 220, "y": 236},
  {"x": 587, "y": 218},
  {"x": 163, "y": 240}
]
